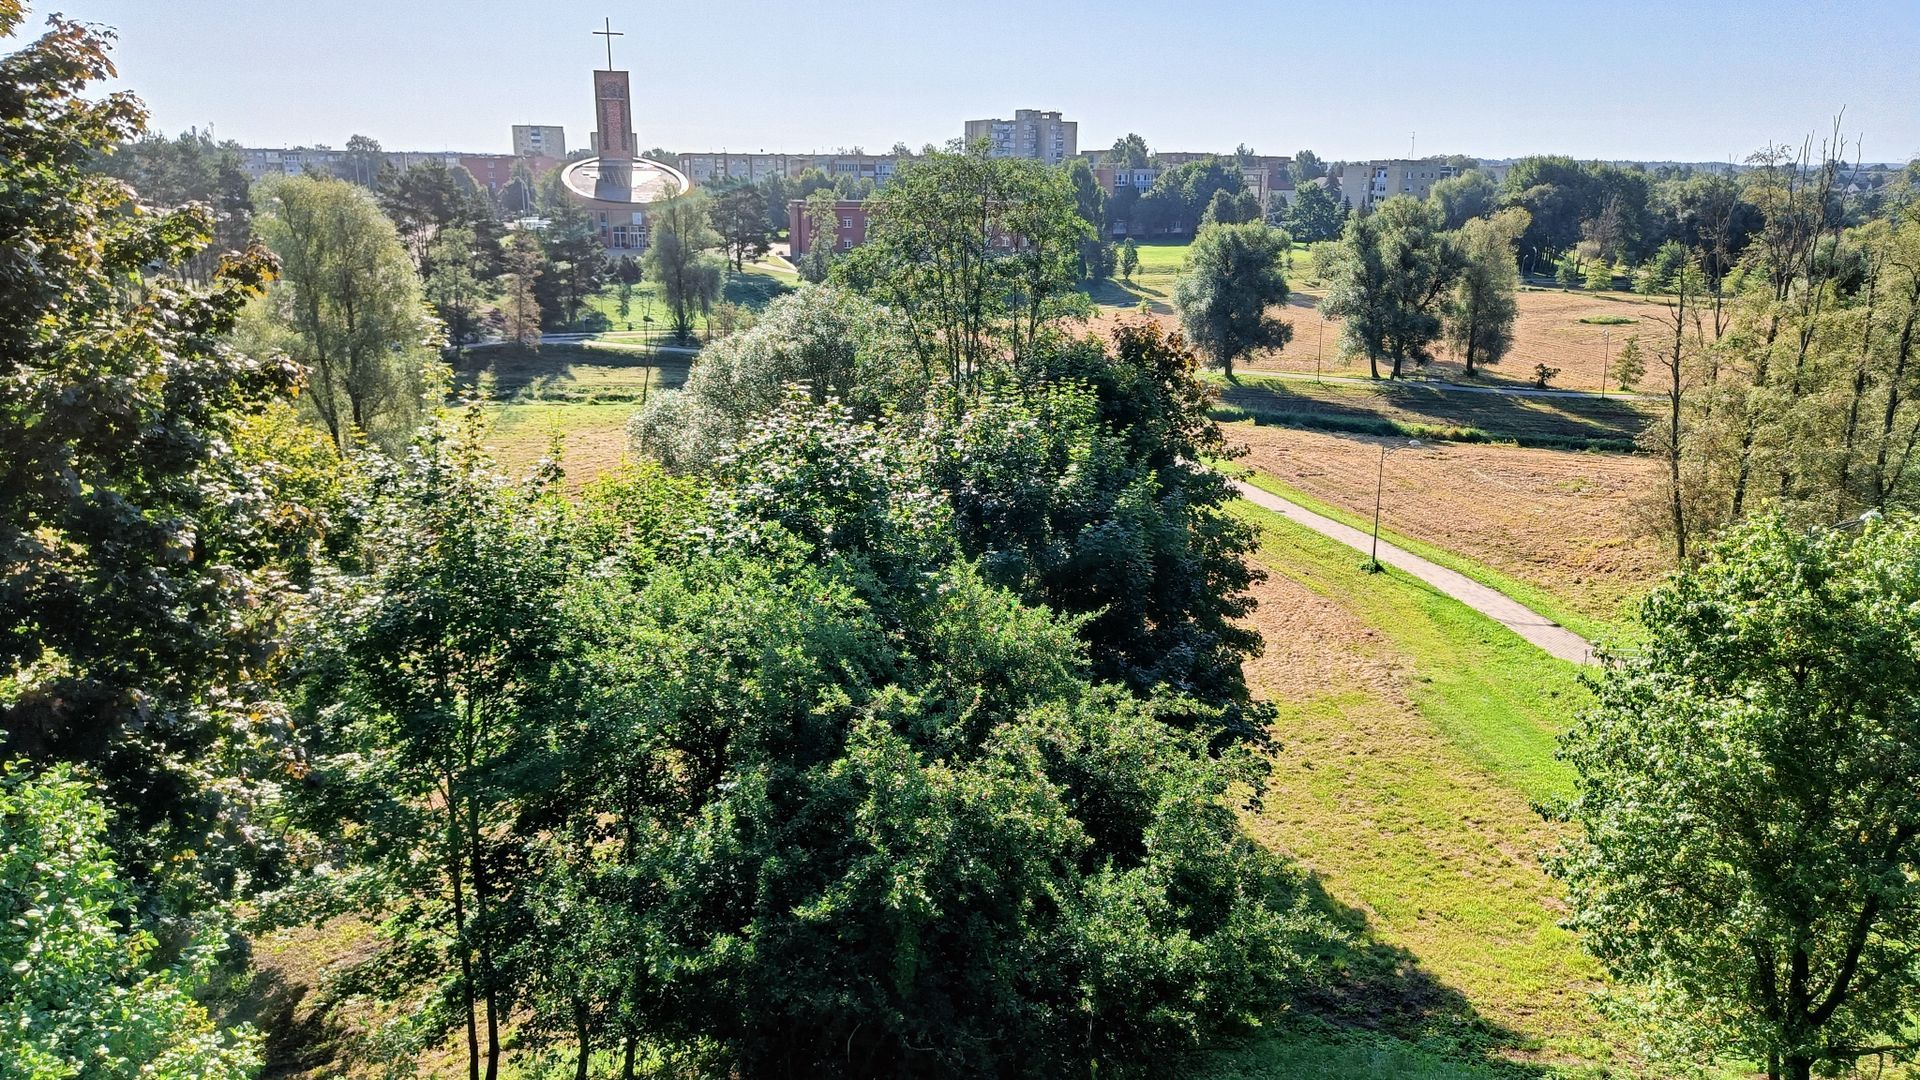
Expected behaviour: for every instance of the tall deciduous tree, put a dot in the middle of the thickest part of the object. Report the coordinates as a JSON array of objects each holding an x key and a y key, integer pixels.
[
  {"x": 348, "y": 308},
  {"x": 1128, "y": 151},
  {"x": 1748, "y": 835},
  {"x": 680, "y": 257},
  {"x": 1315, "y": 214},
  {"x": 1464, "y": 197},
  {"x": 1235, "y": 275},
  {"x": 977, "y": 256},
  {"x": 1481, "y": 311},
  {"x": 134, "y": 625},
  {"x": 1388, "y": 280}
]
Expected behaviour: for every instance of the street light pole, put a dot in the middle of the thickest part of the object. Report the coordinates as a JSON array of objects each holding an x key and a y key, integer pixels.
[{"x": 1379, "y": 485}]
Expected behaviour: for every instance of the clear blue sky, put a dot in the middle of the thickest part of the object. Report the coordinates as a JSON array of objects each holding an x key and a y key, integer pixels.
[{"x": 1677, "y": 79}]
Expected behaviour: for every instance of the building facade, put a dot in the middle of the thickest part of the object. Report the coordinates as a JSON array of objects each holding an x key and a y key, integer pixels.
[
  {"x": 1364, "y": 185},
  {"x": 850, "y": 226},
  {"x": 1032, "y": 133},
  {"x": 540, "y": 140},
  {"x": 259, "y": 161},
  {"x": 708, "y": 167}
]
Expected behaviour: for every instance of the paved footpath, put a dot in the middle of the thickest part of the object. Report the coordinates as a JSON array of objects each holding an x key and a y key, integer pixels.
[{"x": 1515, "y": 616}]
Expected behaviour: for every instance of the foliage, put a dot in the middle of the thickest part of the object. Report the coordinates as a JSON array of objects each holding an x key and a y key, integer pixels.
[
  {"x": 1745, "y": 861},
  {"x": 1481, "y": 312},
  {"x": 740, "y": 217},
  {"x": 79, "y": 995},
  {"x": 1543, "y": 375},
  {"x": 823, "y": 220},
  {"x": 1230, "y": 208},
  {"x": 347, "y": 308},
  {"x": 574, "y": 268},
  {"x": 1090, "y": 202},
  {"x": 1180, "y": 195},
  {"x": 1128, "y": 151},
  {"x": 1234, "y": 274},
  {"x": 1314, "y": 215},
  {"x": 427, "y": 199},
  {"x": 679, "y": 257},
  {"x": 190, "y": 168},
  {"x": 824, "y": 337},
  {"x": 135, "y": 620},
  {"x": 1630, "y": 366},
  {"x": 975, "y": 255},
  {"x": 1462, "y": 198},
  {"x": 454, "y": 286},
  {"x": 1305, "y": 166},
  {"x": 526, "y": 264},
  {"x": 1388, "y": 280},
  {"x": 1129, "y": 259}
]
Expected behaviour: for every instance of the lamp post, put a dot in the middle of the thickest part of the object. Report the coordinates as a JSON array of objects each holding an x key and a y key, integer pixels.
[{"x": 1379, "y": 486}]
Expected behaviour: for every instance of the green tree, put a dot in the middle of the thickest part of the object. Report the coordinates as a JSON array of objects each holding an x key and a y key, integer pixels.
[
  {"x": 823, "y": 218},
  {"x": 347, "y": 308},
  {"x": 1306, "y": 166},
  {"x": 432, "y": 660},
  {"x": 976, "y": 255},
  {"x": 1128, "y": 151},
  {"x": 1630, "y": 366},
  {"x": 1230, "y": 208},
  {"x": 454, "y": 286},
  {"x": 680, "y": 257},
  {"x": 1598, "y": 276},
  {"x": 428, "y": 198},
  {"x": 80, "y": 994},
  {"x": 1090, "y": 202},
  {"x": 190, "y": 168},
  {"x": 1314, "y": 215},
  {"x": 576, "y": 265},
  {"x": 1388, "y": 279},
  {"x": 1129, "y": 258},
  {"x": 1234, "y": 275},
  {"x": 1462, "y": 198},
  {"x": 363, "y": 161},
  {"x": 1481, "y": 311},
  {"x": 739, "y": 215},
  {"x": 526, "y": 264},
  {"x": 135, "y": 617},
  {"x": 1747, "y": 832}
]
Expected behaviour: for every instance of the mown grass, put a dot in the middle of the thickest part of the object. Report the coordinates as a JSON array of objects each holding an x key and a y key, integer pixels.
[
  {"x": 1540, "y": 599},
  {"x": 1411, "y": 801}
]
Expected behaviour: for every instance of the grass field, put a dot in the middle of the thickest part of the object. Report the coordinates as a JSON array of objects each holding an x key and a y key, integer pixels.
[
  {"x": 755, "y": 286},
  {"x": 1426, "y": 411},
  {"x": 1414, "y": 737},
  {"x": 1560, "y": 531}
]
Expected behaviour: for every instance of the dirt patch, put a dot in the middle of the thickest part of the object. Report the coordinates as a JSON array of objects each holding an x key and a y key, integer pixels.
[{"x": 1557, "y": 519}]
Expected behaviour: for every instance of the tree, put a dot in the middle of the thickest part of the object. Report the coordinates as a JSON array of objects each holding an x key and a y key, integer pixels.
[
  {"x": 190, "y": 168},
  {"x": 977, "y": 256},
  {"x": 526, "y": 263},
  {"x": 454, "y": 287},
  {"x": 436, "y": 654},
  {"x": 80, "y": 994},
  {"x": 680, "y": 258},
  {"x": 1234, "y": 275},
  {"x": 740, "y": 217},
  {"x": 1090, "y": 202},
  {"x": 1314, "y": 215},
  {"x": 1129, "y": 258},
  {"x": 1388, "y": 279},
  {"x": 823, "y": 221},
  {"x": 1630, "y": 366},
  {"x": 1747, "y": 832},
  {"x": 423, "y": 200},
  {"x": 1481, "y": 311},
  {"x": 348, "y": 308},
  {"x": 1129, "y": 151},
  {"x": 1305, "y": 167},
  {"x": 135, "y": 617},
  {"x": 826, "y": 338},
  {"x": 1598, "y": 277},
  {"x": 1462, "y": 198},
  {"x": 1180, "y": 195},
  {"x": 1230, "y": 208},
  {"x": 576, "y": 265},
  {"x": 362, "y": 162}
]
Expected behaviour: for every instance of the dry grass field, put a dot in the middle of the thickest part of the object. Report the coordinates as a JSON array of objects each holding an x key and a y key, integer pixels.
[{"x": 1562, "y": 522}]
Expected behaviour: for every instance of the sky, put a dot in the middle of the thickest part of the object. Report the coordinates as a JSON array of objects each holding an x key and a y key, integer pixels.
[{"x": 1685, "y": 80}]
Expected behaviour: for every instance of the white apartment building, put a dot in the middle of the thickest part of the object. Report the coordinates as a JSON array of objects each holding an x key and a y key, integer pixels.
[
  {"x": 1364, "y": 185},
  {"x": 540, "y": 140}
]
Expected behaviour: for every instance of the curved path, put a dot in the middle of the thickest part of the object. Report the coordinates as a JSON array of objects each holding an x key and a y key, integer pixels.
[{"x": 1550, "y": 636}]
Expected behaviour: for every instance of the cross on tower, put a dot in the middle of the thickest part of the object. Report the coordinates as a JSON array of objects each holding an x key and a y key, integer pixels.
[{"x": 609, "y": 33}]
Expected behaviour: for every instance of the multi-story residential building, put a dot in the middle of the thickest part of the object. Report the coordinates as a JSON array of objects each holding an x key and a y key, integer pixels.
[
  {"x": 1032, "y": 133},
  {"x": 540, "y": 140},
  {"x": 1364, "y": 185},
  {"x": 495, "y": 171},
  {"x": 709, "y": 166},
  {"x": 262, "y": 161}
]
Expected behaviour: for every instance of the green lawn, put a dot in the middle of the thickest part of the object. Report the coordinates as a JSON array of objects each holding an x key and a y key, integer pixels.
[
  {"x": 755, "y": 287},
  {"x": 1409, "y": 795}
]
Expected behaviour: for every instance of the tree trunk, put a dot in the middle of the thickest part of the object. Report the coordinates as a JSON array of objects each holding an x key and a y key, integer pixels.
[
  {"x": 581, "y": 1035},
  {"x": 626, "y": 1064},
  {"x": 454, "y": 873}
]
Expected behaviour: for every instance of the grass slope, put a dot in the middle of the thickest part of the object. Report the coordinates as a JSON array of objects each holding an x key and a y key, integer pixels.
[{"x": 1407, "y": 790}]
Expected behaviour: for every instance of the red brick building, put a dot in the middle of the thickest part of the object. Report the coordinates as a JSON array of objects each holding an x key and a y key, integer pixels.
[
  {"x": 495, "y": 171},
  {"x": 850, "y": 225}
]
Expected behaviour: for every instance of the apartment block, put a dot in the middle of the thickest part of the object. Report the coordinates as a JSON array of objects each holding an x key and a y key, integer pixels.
[
  {"x": 539, "y": 140},
  {"x": 1032, "y": 133},
  {"x": 1364, "y": 185}
]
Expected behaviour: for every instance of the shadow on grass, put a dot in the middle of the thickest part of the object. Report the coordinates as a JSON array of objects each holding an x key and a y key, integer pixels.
[
  {"x": 302, "y": 1037},
  {"x": 1116, "y": 293},
  {"x": 753, "y": 290},
  {"x": 566, "y": 372},
  {"x": 1425, "y": 412}
]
